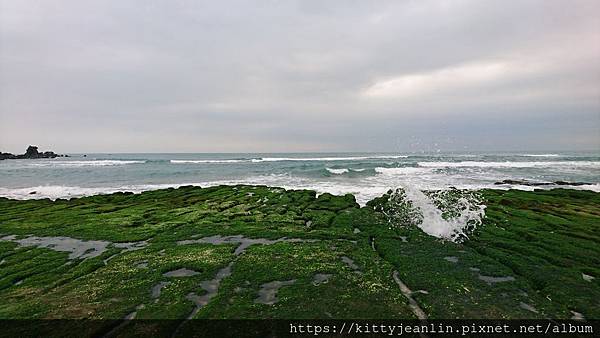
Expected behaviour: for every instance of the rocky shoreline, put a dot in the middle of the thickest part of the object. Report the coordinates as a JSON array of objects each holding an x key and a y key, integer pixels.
[
  {"x": 31, "y": 153},
  {"x": 158, "y": 254}
]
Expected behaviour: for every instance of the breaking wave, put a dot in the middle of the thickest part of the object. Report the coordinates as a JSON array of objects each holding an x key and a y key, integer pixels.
[
  {"x": 283, "y": 159},
  {"x": 207, "y": 161},
  {"x": 447, "y": 214},
  {"x": 60, "y": 191},
  {"x": 324, "y": 159},
  {"x": 352, "y": 172},
  {"x": 337, "y": 171},
  {"x": 401, "y": 171},
  {"x": 541, "y": 155},
  {"x": 91, "y": 163}
]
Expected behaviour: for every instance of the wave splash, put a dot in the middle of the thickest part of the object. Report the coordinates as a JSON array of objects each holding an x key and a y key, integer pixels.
[{"x": 447, "y": 214}]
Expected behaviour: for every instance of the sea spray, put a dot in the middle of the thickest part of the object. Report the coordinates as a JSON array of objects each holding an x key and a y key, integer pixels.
[
  {"x": 448, "y": 214},
  {"x": 397, "y": 208}
]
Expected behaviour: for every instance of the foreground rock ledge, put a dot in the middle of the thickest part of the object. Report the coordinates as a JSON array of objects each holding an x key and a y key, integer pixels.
[{"x": 537, "y": 255}]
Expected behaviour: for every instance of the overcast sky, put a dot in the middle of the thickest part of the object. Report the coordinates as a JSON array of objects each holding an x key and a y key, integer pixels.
[{"x": 260, "y": 76}]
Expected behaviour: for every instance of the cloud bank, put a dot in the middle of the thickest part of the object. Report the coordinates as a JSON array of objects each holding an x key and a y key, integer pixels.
[{"x": 260, "y": 76}]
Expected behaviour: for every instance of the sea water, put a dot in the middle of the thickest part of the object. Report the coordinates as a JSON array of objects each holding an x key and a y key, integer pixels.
[{"x": 365, "y": 175}]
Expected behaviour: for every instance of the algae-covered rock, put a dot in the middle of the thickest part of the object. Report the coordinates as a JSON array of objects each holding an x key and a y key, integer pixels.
[{"x": 537, "y": 248}]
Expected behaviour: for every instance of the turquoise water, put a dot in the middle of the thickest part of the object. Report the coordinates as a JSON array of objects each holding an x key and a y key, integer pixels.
[{"x": 367, "y": 175}]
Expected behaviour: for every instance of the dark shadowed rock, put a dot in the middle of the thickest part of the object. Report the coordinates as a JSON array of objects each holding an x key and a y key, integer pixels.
[
  {"x": 570, "y": 183},
  {"x": 5, "y": 156},
  {"x": 31, "y": 153},
  {"x": 537, "y": 184}
]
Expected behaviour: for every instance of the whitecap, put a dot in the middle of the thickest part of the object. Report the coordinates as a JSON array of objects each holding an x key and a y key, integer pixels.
[
  {"x": 337, "y": 171},
  {"x": 509, "y": 164},
  {"x": 401, "y": 171},
  {"x": 91, "y": 163},
  {"x": 541, "y": 155},
  {"x": 208, "y": 161},
  {"x": 353, "y": 158}
]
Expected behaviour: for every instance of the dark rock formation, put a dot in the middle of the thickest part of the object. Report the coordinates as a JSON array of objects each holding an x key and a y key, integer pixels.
[
  {"x": 570, "y": 183},
  {"x": 523, "y": 182},
  {"x": 31, "y": 152},
  {"x": 4, "y": 156},
  {"x": 537, "y": 184}
]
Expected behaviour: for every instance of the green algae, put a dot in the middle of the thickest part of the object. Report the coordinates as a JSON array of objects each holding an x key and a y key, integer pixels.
[{"x": 544, "y": 240}]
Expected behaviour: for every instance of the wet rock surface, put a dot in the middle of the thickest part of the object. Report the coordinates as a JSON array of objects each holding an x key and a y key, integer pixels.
[
  {"x": 350, "y": 263},
  {"x": 577, "y": 316},
  {"x": 156, "y": 289},
  {"x": 416, "y": 308},
  {"x": 538, "y": 184},
  {"x": 492, "y": 280},
  {"x": 268, "y": 291},
  {"x": 77, "y": 248},
  {"x": 211, "y": 287},
  {"x": 243, "y": 242},
  {"x": 451, "y": 259},
  {"x": 528, "y": 307},
  {"x": 321, "y": 278},
  {"x": 183, "y": 272}
]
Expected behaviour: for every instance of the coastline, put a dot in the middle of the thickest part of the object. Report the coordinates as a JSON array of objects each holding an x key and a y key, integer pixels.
[
  {"x": 54, "y": 192},
  {"x": 362, "y": 174},
  {"x": 534, "y": 256}
]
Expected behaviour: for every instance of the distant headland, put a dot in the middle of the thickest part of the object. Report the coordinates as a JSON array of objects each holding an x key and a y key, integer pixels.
[{"x": 31, "y": 153}]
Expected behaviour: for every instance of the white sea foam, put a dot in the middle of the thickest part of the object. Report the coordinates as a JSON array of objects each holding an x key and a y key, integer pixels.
[
  {"x": 471, "y": 214},
  {"x": 389, "y": 156},
  {"x": 90, "y": 163},
  {"x": 282, "y": 159},
  {"x": 325, "y": 159},
  {"x": 364, "y": 191},
  {"x": 402, "y": 171},
  {"x": 509, "y": 164},
  {"x": 59, "y": 191},
  {"x": 364, "y": 188},
  {"x": 541, "y": 155},
  {"x": 337, "y": 171},
  {"x": 207, "y": 161},
  {"x": 592, "y": 187}
]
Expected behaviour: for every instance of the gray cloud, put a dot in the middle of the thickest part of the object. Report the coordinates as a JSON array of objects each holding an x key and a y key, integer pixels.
[{"x": 299, "y": 75}]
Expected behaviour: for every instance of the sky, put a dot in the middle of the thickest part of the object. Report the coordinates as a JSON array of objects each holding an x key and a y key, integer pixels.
[{"x": 299, "y": 76}]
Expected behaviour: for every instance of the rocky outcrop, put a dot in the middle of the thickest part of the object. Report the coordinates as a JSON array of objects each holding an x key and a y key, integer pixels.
[
  {"x": 537, "y": 184},
  {"x": 31, "y": 152}
]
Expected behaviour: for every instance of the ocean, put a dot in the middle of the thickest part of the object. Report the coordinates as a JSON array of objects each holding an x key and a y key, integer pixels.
[{"x": 366, "y": 175}]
